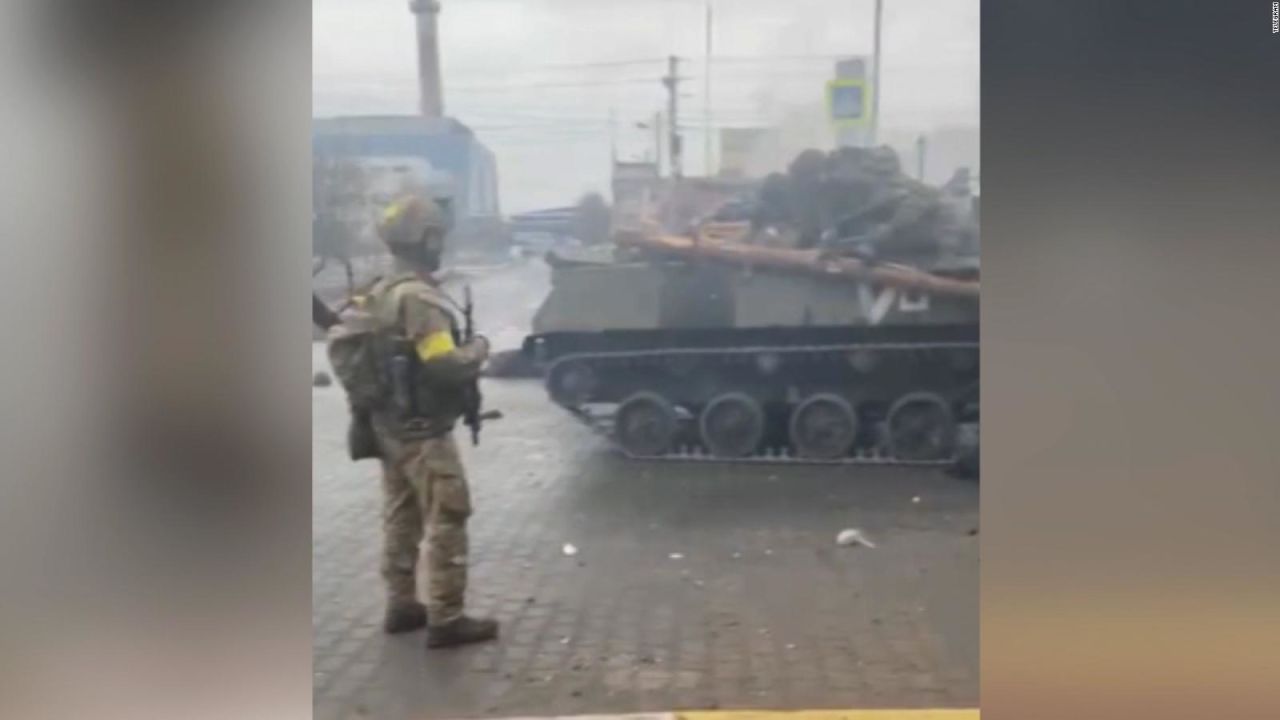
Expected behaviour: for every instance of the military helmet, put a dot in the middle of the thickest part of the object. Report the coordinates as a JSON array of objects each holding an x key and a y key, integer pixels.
[
  {"x": 808, "y": 164},
  {"x": 848, "y": 162},
  {"x": 408, "y": 219}
]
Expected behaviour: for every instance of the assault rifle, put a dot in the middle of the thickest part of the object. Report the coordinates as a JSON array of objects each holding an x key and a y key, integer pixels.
[
  {"x": 323, "y": 316},
  {"x": 473, "y": 416}
]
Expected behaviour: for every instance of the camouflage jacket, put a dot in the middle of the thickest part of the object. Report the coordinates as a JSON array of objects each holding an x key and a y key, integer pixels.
[{"x": 418, "y": 317}]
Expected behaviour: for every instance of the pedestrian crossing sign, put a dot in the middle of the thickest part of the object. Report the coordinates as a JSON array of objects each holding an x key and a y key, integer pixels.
[{"x": 847, "y": 101}]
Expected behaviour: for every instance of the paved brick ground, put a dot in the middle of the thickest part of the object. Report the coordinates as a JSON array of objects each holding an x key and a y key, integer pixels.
[{"x": 760, "y": 609}]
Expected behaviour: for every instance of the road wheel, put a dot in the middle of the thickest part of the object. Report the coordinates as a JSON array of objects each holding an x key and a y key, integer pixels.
[
  {"x": 571, "y": 383},
  {"x": 921, "y": 427},
  {"x": 823, "y": 427},
  {"x": 732, "y": 425},
  {"x": 645, "y": 424}
]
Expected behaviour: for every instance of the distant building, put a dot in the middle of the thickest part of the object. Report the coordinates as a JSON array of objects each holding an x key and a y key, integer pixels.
[
  {"x": 641, "y": 196},
  {"x": 440, "y": 155},
  {"x": 552, "y": 221},
  {"x": 637, "y": 190},
  {"x": 750, "y": 152},
  {"x": 947, "y": 149}
]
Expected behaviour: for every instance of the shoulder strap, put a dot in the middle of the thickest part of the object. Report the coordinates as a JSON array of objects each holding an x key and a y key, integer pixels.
[
  {"x": 382, "y": 300},
  {"x": 422, "y": 291},
  {"x": 391, "y": 299}
]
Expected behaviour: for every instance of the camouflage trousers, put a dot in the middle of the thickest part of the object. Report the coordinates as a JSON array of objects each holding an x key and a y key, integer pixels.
[{"x": 424, "y": 492}]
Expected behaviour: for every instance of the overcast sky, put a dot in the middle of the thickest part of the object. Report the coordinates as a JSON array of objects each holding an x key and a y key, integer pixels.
[{"x": 539, "y": 79}]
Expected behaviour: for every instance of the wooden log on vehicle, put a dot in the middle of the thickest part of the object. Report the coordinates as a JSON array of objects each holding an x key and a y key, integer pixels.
[
  {"x": 724, "y": 231},
  {"x": 808, "y": 261}
]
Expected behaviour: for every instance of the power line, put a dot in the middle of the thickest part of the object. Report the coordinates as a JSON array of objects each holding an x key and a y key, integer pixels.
[
  {"x": 575, "y": 66},
  {"x": 483, "y": 114},
  {"x": 407, "y": 82},
  {"x": 506, "y": 70},
  {"x": 522, "y": 86},
  {"x": 539, "y": 128},
  {"x": 672, "y": 83},
  {"x": 725, "y": 126},
  {"x": 479, "y": 123},
  {"x": 452, "y": 78},
  {"x": 778, "y": 58}
]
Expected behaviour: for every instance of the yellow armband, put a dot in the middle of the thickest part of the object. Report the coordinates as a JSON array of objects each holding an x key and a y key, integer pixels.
[{"x": 435, "y": 345}]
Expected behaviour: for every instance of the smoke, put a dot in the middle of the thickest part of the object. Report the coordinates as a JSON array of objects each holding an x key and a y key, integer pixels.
[
  {"x": 791, "y": 129},
  {"x": 794, "y": 127},
  {"x": 947, "y": 148}
]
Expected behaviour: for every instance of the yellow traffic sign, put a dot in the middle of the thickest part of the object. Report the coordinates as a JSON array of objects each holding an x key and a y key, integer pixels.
[{"x": 848, "y": 102}]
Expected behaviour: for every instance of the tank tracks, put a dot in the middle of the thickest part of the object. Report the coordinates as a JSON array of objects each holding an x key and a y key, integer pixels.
[{"x": 694, "y": 450}]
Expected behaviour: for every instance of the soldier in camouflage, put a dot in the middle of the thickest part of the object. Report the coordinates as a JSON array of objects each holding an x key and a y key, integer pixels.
[
  {"x": 901, "y": 218},
  {"x": 806, "y": 176},
  {"x": 424, "y": 485}
]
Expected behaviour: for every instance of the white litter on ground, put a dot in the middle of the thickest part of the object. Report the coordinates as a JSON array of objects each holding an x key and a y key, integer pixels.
[{"x": 853, "y": 536}]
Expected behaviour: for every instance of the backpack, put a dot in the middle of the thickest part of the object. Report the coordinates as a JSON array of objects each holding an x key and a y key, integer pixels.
[
  {"x": 358, "y": 350},
  {"x": 355, "y": 352}
]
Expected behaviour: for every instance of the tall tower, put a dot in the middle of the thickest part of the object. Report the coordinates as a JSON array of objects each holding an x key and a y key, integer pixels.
[{"x": 431, "y": 96}]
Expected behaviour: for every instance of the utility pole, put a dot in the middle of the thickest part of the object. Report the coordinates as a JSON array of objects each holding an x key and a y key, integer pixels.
[
  {"x": 922, "y": 145},
  {"x": 707, "y": 97},
  {"x": 672, "y": 83},
  {"x": 657, "y": 143},
  {"x": 613, "y": 135},
  {"x": 875, "y": 76},
  {"x": 656, "y": 126}
]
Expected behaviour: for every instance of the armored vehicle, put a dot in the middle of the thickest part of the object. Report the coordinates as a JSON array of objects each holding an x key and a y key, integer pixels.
[{"x": 707, "y": 348}]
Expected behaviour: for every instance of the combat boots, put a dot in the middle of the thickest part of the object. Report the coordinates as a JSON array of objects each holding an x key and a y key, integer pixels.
[
  {"x": 404, "y": 617},
  {"x": 463, "y": 631}
]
